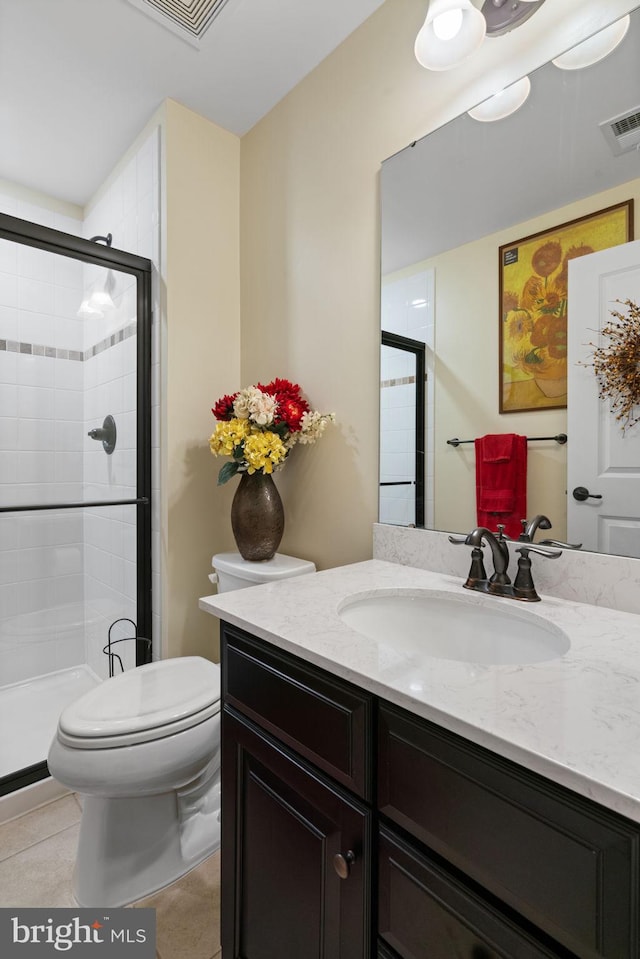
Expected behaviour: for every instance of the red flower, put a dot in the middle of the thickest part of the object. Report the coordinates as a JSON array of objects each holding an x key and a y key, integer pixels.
[
  {"x": 290, "y": 411},
  {"x": 223, "y": 409},
  {"x": 281, "y": 388},
  {"x": 291, "y": 406}
]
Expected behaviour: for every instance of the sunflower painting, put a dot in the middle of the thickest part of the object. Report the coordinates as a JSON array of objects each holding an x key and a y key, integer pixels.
[{"x": 534, "y": 307}]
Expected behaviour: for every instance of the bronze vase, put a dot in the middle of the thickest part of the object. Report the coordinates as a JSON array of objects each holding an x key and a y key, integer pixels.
[{"x": 257, "y": 516}]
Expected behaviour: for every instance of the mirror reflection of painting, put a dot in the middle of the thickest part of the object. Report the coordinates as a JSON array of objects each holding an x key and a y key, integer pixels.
[
  {"x": 452, "y": 204},
  {"x": 534, "y": 305}
]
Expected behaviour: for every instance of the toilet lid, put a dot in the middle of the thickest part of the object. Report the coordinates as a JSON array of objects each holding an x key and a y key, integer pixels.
[{"x": 144, "y": 703}]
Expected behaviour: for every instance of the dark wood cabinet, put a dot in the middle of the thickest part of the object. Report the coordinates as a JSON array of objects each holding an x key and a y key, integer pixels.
[
  {"x": 325, "y": 720},
  {"x": 426, "y": 912},
  {"x": 296, "y": 854},
  {"x": 447, "y": 850},
  {"x": 564, "y": 863}
]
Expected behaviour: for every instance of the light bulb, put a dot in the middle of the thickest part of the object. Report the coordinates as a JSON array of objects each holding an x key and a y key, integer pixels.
[
  {"x": 447, "y": 25},
  {"x": 452, "y": 31}
]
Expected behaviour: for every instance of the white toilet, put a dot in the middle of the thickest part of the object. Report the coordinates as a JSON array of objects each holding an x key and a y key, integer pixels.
[{"x": 143, "y": 750}]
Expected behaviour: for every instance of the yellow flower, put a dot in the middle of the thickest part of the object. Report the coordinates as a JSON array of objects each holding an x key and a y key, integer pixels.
[
  {"x": 518, "y": 325},
  {"x": 263, "y": 451},
  {"x": 228, "y": 434}
]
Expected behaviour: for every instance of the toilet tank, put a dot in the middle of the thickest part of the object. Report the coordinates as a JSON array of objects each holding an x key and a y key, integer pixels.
[{"x": 234, "y": 572}]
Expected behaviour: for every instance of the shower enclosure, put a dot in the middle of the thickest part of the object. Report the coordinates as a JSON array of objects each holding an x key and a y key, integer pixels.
[
  {"x": 75, "y": 478},
  {"x": 402, "y": 430}
]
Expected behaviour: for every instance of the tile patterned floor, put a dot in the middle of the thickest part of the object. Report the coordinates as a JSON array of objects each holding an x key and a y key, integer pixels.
[{"x": 37, "y": 853}]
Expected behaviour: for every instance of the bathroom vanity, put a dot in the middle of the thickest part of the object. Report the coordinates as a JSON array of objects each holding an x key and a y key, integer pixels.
[{"x": 380, "y": 803}]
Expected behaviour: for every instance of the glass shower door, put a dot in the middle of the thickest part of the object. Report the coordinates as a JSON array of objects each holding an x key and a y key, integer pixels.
[
  {"x": 74, "y": 477},
  {"x": 402, "y": 430}
]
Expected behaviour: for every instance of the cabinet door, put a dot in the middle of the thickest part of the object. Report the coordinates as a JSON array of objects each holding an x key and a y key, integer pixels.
[
  {"x": 564, "y": 863},
  {"x": 424, "y": 913},
  {"x": 283, "y": 826}
]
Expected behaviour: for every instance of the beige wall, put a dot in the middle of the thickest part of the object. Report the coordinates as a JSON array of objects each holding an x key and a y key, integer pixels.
[
  {"x": 310, "y": 240},
  {"x": 201, "y": 350}
]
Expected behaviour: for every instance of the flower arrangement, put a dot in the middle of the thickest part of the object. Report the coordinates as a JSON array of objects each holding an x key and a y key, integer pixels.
[
  {"x": 258, "y": 427},
  {"x": 535, "y": 318},
  {"x": 617, "y": 364}
]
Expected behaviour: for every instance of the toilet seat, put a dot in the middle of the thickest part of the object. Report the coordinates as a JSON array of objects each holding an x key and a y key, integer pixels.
[{"x": 143, "y": 704}]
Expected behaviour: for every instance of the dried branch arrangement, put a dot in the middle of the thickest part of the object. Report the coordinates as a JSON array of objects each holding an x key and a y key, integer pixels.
[{"x": 617, "y": 364}]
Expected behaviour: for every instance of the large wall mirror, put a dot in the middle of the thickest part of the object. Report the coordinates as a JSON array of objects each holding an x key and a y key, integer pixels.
[{"x": 450, "y": 201}]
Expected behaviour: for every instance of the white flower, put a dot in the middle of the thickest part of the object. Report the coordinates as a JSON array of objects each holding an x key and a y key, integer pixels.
[
  {"x": 255, "y": 405},
  {"x": 313, "y": 425},
  {"x": 241, "y": 404}
]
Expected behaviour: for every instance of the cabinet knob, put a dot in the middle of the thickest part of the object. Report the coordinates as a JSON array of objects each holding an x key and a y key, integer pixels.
[{"x": 342, "y": 864}]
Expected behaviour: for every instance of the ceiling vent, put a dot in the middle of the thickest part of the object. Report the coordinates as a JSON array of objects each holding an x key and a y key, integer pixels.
[
  {"x": 622, "y": 133},
  {"x": 189, "y": 19}
]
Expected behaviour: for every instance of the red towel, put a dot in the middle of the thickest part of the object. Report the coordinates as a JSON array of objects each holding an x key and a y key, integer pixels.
[{"x": 501, "y": 481}]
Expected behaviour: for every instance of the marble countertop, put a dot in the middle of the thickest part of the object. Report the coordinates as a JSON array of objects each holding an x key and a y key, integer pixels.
[{"x": 574, "y": 719}]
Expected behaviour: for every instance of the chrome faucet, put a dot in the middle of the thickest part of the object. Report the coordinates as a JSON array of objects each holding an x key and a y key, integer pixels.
[{"x": 499, "y": 584}]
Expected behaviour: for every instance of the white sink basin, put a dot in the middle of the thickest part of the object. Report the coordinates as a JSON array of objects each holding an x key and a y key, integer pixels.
[{"x": 471, "y": 628}]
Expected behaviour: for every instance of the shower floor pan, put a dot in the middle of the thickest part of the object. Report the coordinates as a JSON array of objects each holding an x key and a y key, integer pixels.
[{"x": 29, "y": 714}]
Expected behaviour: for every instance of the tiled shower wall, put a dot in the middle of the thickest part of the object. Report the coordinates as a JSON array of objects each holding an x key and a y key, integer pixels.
[
  {"x": 406, "y": 309},
  {"x": 41, "y": 421},
  {"x": 59, "y": 377}
]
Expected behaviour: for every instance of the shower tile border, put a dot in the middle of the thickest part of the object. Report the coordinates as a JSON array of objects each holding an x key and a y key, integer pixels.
[
  {"x": 397, "y": 381},
  {"x": 57, "y": 353}
]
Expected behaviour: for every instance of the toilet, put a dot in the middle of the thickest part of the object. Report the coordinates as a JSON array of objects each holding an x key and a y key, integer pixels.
[
  {"x": 143, "y": 751},
  {"x": 234, "y": 572}
]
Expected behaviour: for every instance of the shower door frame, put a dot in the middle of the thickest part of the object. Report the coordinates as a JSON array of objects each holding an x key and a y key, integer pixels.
[
  {"x": 89, "y": 251},
  {"x": 404, "y": 343}
]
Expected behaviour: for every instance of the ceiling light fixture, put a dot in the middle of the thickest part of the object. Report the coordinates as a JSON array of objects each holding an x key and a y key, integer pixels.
[
  {"x": 454, "y": 29},
  {"x": 504, "y": 103},
  {"x": 595, "y": 48}
]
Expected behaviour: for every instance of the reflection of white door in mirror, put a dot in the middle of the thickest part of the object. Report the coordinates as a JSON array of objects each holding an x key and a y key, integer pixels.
[{"x": 606, "y": 463}]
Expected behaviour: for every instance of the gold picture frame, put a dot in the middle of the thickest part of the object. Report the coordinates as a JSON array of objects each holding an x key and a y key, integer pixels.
[{"x": 534, "y": 305}]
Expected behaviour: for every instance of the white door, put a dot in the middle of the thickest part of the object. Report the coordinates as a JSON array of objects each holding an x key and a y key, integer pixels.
[{"x": 601, "y": 458}]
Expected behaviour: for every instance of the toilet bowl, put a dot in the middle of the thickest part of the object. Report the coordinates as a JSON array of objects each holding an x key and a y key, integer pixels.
[{"x": 142, "y": 749}]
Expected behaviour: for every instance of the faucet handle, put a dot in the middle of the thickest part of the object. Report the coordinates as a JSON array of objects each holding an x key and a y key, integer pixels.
[
  {"x": 527, "y": 548},
  {"x": 524, "y": 536},
  {"x": 501, "y": 535},
  {"x": 458, "y": 540},
  {"x": 556, "y": 542},
  {"x": 523, "y": 587}
]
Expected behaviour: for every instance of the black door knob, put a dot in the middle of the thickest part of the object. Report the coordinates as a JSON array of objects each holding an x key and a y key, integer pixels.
[{"x": 581, "y": 493}]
